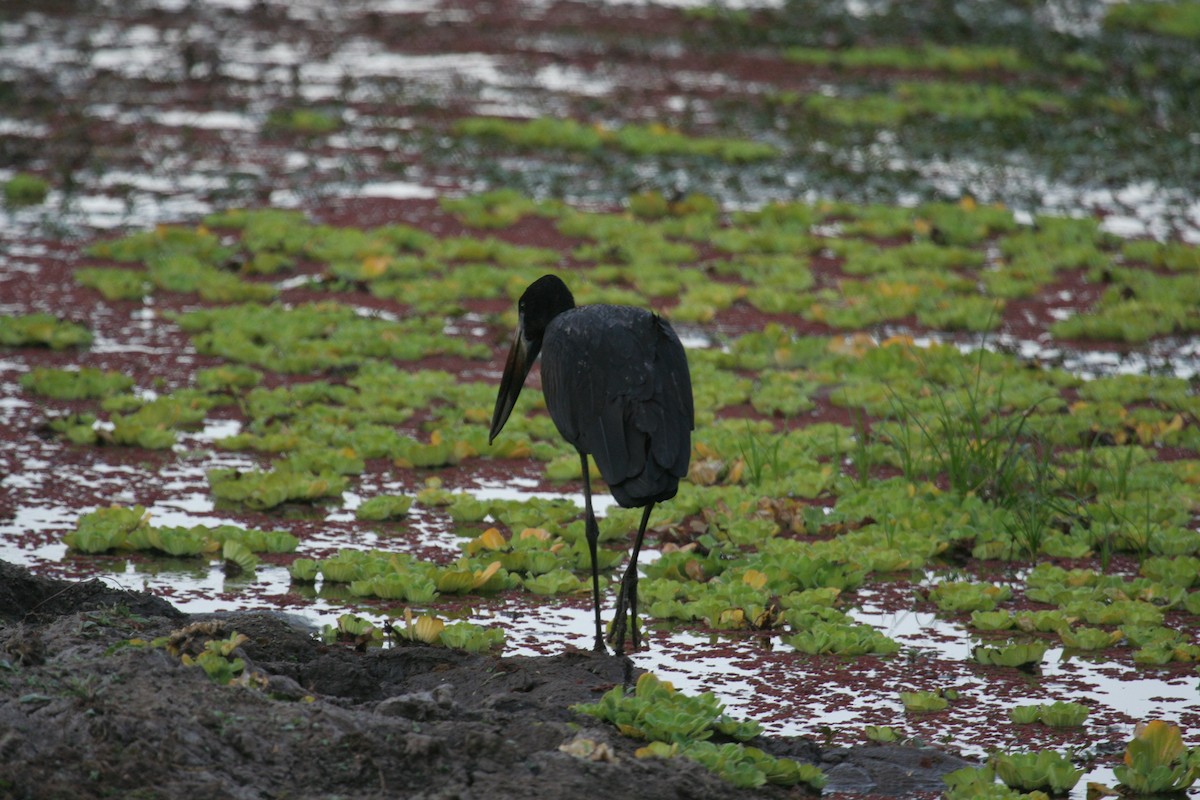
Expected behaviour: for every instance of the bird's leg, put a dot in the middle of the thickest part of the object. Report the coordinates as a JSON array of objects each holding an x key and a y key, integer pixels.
[
  {"x": 592, "y": 533},
  {"x": 627, "y": 594}
]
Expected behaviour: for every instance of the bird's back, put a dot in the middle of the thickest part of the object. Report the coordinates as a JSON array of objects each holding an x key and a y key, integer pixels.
[{"x": 617, "y": 387}]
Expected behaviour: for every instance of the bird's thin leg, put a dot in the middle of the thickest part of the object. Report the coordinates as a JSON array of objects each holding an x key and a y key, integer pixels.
[
  {"x": 627, "y": 593},
  {"x": 632, "y": 578},
  {"x": 592, "y": 533}
]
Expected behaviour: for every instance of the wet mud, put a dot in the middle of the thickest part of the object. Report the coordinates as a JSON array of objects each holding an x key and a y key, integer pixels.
[{"x": 88, "y": 708}]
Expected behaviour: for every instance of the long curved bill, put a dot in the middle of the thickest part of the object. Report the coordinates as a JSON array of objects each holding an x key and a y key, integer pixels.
[{"x": 515, "y": 369}]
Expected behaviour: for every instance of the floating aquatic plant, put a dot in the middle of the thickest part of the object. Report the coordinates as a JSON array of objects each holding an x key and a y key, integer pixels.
[
  {"x": 821, "y": 638},
  {"x": 1156, "y": 760},
  {"x": 675, "y": 724},
  {"x": 42, "y": 330},
  {"x": 924, "y": 702},
  {"x": 263, "y": 490},
  {"x": 307, "y": 121},
  {"x": 1045, "y": 770},
  {"x": 118, "y": 528},
  {"x": 431, "y": 629},
  {"x": 106, "y": 529},
  {"x": 882, "y": 734},
  {"x": 1084, "y": 638},
  {"x": 1025, "y": 656},
  {"x": 1058, "y": 714},
  {"x": 637, "y": 140},
  {"x": 86, "y": 383},
  {"x": 24, "y": 189},
  {"x": 964, "y": 596},
  {"x": 382, "y": 507}
]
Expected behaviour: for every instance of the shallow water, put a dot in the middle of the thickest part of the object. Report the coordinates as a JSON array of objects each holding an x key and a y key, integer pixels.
[
  {"x": 179, "y": 177},
  {"x": 178, "y": 181}
]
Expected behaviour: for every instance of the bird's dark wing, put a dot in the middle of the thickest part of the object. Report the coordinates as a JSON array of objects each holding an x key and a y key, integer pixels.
[
  {"x": 617, "y": 386},
  {"x": 673, "y": 392}
]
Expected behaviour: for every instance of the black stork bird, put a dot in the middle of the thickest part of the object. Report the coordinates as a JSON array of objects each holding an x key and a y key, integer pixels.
[{"x": 617, "y": 387}]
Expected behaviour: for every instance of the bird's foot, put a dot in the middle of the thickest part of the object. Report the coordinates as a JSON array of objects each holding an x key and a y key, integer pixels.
[
  {"x": 624, "y": 621},
  {"x": 616, "y": 634}
]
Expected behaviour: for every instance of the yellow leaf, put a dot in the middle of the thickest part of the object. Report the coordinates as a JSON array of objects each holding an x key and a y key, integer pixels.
[
  {"x": 704, "y": 451},
  {"x": 647, "y": 680},
  {"x": 630, "y": 731},
  {"x": 768, "y": 619},
  {"x": 1188, "y": 471},
  {"x": 511, "y": 448},
  {"x": 374, "y": 266},
  {"x": 541, "y": 534},
  {"x": 754, "y": 578},
  {"x": 1163, "y": 739},
  {"x": 1097, "y": 790},
  {"x": 657, "y": 750},
  {"x": 898, "y": 341},
  {"x": 427, "y": 629},
  {"x": 492, "y": 539},
  {"x": 705, "y": 471},
  {"x": 732, "y": 618},
  {"x": 484, "y": 575},
  {"x": 967, "y": 203},
  {"x": 477, "y": 415},
  {"x": 857, "y": 344},
  {"x": 589, "y": 750}
]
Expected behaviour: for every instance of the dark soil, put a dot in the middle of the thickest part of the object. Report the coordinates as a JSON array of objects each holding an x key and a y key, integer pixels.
[{"x": 83, "y": 714}]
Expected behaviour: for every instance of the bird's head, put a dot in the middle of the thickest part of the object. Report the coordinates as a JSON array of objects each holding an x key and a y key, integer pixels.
[{"x": 545, "y": 299}]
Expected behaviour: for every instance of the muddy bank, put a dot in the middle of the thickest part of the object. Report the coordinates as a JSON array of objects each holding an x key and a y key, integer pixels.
[{"x": 84, "y": 714}]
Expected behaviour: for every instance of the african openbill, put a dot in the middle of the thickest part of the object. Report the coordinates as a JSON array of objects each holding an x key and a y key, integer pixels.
[{"x": 617, "y": 386}]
